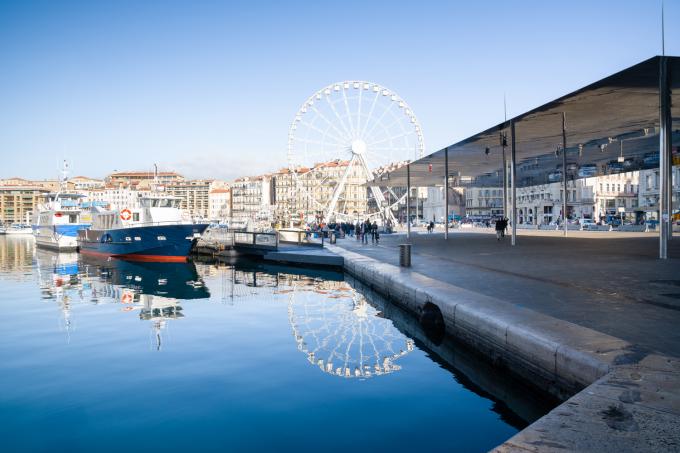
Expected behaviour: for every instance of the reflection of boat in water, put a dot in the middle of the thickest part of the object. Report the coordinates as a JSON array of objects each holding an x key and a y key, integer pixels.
[
  {"x": 61, "y": 281},
  {"x": 171, "y": 280},
  {"x": 154, "y": 289}
]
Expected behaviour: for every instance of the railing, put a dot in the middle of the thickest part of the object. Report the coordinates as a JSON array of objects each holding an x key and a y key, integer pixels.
[{"x": 222, "y": 238}]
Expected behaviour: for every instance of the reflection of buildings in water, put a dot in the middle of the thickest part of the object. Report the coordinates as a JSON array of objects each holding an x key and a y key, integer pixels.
[
  {"x": 16, "y": 256},
  {"x": 342, "y": 333}
]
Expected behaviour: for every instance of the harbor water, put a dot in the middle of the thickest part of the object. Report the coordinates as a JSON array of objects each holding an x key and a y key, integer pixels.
[{"x": 109, "y": 355}]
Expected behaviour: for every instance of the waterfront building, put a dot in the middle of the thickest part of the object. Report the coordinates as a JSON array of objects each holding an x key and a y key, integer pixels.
[
  {"x": 483, "y": 202},
  {"x": 433, "y": 204},
  {"x": 118, "y": 198},
  {"x": 18, "y": 203},
  {"x": 251, "y": 198},
  {"x": 84, "y": 183},
  {"x": 219, "y": 201},
  {"x": 194, "y": 195},
  {"x": 135, "y": 178},
  {"x": 649, "y": 191}
]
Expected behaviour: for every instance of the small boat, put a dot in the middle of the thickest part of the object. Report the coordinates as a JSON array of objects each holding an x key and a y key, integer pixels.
[
  {"x": 154, "y": 232},
  {"x": 17, "y": 229}
]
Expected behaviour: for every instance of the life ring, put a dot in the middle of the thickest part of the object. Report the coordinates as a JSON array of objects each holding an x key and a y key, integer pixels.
[
  {"x": 127, "y": 298},
  {"x": 126, "y": 214}
]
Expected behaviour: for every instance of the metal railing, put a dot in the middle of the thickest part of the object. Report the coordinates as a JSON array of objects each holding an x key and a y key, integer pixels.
[{"x": 223, "y": 238}]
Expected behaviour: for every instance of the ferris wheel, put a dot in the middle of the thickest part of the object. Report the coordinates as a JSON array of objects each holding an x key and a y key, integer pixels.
[{"x": 344, "y": 135}]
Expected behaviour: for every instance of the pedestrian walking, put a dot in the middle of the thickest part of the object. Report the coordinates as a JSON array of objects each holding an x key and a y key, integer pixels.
[
  {"x": 374, "y": 232},
  {"x": 499, "y": 229}
]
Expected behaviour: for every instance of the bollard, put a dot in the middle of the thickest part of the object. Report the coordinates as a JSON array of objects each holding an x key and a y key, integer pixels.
[{"x": 405, "y": 255}]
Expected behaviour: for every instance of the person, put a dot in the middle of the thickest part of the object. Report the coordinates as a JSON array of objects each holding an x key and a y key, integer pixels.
[
  {"x": 499, "y": 229},
  {"x": 357, "y": 231},
  {"x": 504, "y": 225},
  {"x": 374, "y": 232},
  {"x": 431, "y": 226},
  {"x": 365, "y": 231}
]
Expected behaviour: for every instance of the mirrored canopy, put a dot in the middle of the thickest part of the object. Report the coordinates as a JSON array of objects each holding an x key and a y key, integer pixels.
[{"x": 612, "y": 126}]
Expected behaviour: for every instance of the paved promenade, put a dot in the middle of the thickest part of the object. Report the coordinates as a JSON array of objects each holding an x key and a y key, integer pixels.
[{"x": 610, "y": 282}]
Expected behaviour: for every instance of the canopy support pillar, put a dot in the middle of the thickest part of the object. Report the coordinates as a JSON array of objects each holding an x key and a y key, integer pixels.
[
  {"x": 665, "y": 175},
  {"x": 408, "y": 202},
  {"x": 564, "y": 171},
  {"x": 446, "y": 193},
  {"x": 513, "y": 182}
]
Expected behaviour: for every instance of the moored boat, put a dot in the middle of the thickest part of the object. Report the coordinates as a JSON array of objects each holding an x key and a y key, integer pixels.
[
  {"x": 16, "y": 229},
  {"x": 154, "y": 232},
  {"x": 59, "y": 221}
]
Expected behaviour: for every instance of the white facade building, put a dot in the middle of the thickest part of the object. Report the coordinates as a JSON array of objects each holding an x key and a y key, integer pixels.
[{"x": 219, "y": 201}]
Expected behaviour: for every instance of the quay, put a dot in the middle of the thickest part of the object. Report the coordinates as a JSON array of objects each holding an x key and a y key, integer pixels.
[{"x": 592, "y": 321}]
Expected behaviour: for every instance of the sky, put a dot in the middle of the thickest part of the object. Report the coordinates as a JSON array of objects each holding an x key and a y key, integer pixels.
[{"x": 209, "y": 88}]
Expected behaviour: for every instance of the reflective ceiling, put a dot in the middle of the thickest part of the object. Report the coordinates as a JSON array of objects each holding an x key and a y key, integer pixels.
[{"x": 616, "y": 116}]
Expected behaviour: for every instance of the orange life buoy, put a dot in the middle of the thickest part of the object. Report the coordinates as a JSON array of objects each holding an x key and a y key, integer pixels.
[
  {"x": 127, "y": 298},
  {"x": 125, "y": 214}
]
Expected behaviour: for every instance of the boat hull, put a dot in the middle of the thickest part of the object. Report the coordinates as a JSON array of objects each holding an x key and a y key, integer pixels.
[
  {"x": 58, "y": 237},
  {"x": 170, "y": 243}
]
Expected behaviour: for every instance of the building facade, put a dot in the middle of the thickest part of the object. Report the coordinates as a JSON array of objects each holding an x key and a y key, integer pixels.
[
  {"x": 135, "y": 178},
  {"x": 219, "y": 201},
  {"x": 18, "y": 203},
  {"x": 195, "y": 195}
]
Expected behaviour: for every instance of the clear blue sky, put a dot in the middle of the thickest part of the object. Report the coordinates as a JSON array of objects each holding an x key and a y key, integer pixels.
[{"x": 210, "y": 88}]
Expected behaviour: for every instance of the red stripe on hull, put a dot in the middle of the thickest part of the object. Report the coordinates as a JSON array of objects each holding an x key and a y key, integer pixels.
[{"x": 146, "y": 258}]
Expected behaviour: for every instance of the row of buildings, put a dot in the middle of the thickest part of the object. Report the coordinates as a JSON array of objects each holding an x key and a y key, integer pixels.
[
  {"x": 631, "y": 195},
  {"x": 286, "y": 196}
]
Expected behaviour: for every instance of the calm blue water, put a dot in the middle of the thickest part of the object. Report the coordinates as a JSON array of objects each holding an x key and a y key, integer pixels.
[{"x": 106, "y": 356}]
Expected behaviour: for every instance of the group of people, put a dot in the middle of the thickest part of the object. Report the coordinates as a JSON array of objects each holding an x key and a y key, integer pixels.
[{"x": 364, "y": 229}]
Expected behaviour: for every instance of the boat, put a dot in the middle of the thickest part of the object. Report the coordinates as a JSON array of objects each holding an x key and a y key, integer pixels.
[
  {"x": 59, "y": 221},
  {"x": 154, "y": 232},
  {"x": 17, "y": 229}
]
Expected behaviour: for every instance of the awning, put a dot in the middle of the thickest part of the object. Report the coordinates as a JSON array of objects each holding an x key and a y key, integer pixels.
[{"x": 612, "y": 126}]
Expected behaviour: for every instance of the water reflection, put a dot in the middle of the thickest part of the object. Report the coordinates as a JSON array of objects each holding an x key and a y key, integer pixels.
[
  {"x": 341, "y": 333},
  {"x": 333, "y": 325},
  {"x": 155, "y": 290},
  {"x": 16, "y": 257},
  {"x": 257, "y": 346}
]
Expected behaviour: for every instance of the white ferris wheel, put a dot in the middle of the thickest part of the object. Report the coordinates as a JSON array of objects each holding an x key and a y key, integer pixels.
[{"x": 360, "y": 129}]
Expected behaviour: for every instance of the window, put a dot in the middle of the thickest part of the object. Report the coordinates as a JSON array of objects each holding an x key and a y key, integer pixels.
[
  {"x": 135, "y": 216},
  {"x": 161, "y": 238}
]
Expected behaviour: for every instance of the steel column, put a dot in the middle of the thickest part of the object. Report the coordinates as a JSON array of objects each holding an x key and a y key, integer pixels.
[
  {"x": 513, "y": 187},
  {"x": 446, "y": 193},
  {"x": 408, "y": 201},
  {"x": 564, "y": 170},
  {"x": 665, "y": 189},
  {"x": 504, "y": 143}
]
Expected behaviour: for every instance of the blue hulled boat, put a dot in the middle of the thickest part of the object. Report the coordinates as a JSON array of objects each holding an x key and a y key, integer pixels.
[{"x": 153, "y": 232}]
